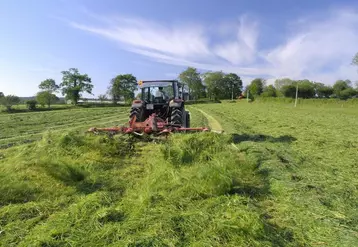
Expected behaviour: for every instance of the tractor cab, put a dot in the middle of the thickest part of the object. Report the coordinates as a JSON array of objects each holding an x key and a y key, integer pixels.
[{"x": 159, "y": 92}]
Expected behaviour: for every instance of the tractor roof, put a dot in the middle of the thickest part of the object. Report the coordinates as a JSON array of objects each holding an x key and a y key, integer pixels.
[{"x": 156, "y": 83}]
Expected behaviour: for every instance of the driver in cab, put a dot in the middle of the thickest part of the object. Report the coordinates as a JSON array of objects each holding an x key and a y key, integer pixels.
[{"x": 161, "y": 94}]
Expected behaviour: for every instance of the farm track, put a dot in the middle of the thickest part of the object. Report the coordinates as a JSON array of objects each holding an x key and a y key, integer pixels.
[{"x": 213, "y": 123}]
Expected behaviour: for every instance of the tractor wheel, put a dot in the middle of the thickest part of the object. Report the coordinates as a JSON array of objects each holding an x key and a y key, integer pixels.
[
  {"x": 138, "y": 112},
  {"x": 176, "y": 117}
]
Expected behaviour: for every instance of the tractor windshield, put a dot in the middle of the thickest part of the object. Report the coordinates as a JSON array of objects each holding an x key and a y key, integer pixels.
[{"x": 157, "y": 92}]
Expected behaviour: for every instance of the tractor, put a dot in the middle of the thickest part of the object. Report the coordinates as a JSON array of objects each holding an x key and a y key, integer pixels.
[
  {"x": 158, "y": 110},
  {"x": 165, "y": 99}
]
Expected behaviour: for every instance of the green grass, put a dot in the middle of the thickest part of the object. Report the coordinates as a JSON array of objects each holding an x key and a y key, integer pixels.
[
  {"x": 310, "y": 157},
  {"x": 17, "y": 128},
  {"x": 279, "y": 176}
]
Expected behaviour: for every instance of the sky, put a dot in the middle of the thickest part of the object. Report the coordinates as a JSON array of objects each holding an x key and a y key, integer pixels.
[{"x": 307, "y": 39}]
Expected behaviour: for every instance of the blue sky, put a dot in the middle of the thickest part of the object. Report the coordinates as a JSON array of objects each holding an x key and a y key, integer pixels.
[{"x": 158, "y": 39}]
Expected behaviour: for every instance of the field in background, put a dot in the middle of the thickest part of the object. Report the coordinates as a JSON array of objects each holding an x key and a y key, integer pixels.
[
  {"x": 279, "y": 176},
  {"x": 18, "y": 128}
]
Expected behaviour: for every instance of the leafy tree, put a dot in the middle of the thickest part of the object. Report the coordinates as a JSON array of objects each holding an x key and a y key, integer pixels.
[
  {"x": 247, "y": 93},
  {"x": 232, "y": 86},
  {"x": 31, "y": 104},
  {"x": 9, "y": 100},
  {"x": 289, "y": 90},
  {"x": 279, "y": 83},
  {"x": 49, "y": 85},
  {"x": 269, "y": 91},
  {"x": 191, "y": 77},
  {"x": 46, "y": 98},
  {"x": 123, "y": 86},
  {"x": 306, "y": 89},
  {"x": 74, "y": 83},
  {"x": 1, "y": 94},
  {"x": 323, "y": 91},
  {"x": 347, "y": 93},
  {"x": 214, "y": 82},
  {"x": 257, "y": 86},
  {"x": 102, "y": 97},
  {"x": 340, "y": 86},
  {"x": 355, "y": 59}
]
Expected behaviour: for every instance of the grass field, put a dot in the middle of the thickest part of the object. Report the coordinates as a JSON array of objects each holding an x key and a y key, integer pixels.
[
  {"x": 278, "y": 176},
  {"x": 26, "y": 127}
]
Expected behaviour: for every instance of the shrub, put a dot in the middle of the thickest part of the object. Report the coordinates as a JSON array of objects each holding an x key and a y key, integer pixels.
[{"x": 31, "y": 104}]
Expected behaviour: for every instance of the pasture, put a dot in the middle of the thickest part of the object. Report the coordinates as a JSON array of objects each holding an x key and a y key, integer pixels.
[{"x": 278, "y": 176}]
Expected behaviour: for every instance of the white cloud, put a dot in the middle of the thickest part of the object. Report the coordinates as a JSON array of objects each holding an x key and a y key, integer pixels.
[
  {"x": 242, "y": 50},
  {"x": 317, "y": 49}
]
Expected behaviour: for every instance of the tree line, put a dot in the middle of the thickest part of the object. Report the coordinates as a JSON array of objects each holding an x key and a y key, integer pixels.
[
  {"x": 215, "y": 85},
  {"x": 306, "y": 89}
]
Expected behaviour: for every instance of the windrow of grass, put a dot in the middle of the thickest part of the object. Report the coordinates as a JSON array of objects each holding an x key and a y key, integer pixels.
[{"x": 71, "y": 189}]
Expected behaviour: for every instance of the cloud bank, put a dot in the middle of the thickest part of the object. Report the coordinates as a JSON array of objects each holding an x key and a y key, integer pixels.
[{"x": 317, "y": 49}]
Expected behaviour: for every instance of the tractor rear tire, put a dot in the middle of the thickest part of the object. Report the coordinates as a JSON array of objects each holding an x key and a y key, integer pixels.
[
  {"x": 176, "y": 117},
  {"x": 138, "y": 112}
]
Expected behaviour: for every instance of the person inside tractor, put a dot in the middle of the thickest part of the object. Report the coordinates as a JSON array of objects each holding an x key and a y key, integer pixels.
[{"x": 160, "y": 95}]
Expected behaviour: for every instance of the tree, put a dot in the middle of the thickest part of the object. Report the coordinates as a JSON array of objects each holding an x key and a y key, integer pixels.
[
  {"x": 347, "y": 93},
  {"x": 102, "y": 97},
  {"x": 279, "y": 83},
  {"x": 9, "y": 100},
  {"x": 340, "y": 86},
  {"x": 191, "y": 77},
  {"x": 323, "y": 91},
  {"x": 49, "y": 85},
  {"x": 257, "y": 86},
  {"x": 306, "y": 89},
  {"x": 1, "y": 94},
  {"x": 122, "y": 86},
  {"x": 46, "y": 98},
  {"x": 31, "y": 104},
  {"x": 289, "y": 90},
  {"x": 269, "y": 91},
  {"x": 214, "y": 82},
  {"x": 232, "y": 85},
  {"x": 355, "y": 59},
  {"x": 74, "y": 83}
]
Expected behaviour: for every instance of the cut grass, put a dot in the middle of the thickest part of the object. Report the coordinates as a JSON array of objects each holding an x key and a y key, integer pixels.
[
  {"x": 311, "y": 157},
  {"x": 97, "y": 191},
  {"x": 290, "y": 181},
  {"x": 26, "y": 127}
]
